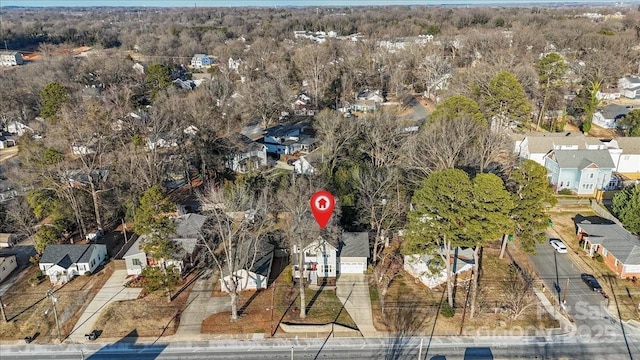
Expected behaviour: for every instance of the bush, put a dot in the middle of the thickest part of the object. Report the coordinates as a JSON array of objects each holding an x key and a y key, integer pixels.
[
  {"x": 447, "y": 311},
  {"x": 598, "y": 258},
  {"x": 565, "y": 192}
]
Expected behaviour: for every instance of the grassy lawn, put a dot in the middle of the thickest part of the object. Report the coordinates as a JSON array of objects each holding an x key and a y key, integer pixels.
[
  {"x": 25, "y": 305},
  {"x": 149, "y": 316},
  {"x": 261, "y": 311},
  {"x": 411, "y": 307},
  {"x": 624, "y": 295}
]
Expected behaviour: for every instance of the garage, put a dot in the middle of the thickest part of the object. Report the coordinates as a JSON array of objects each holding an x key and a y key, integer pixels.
[{"x": 352, "y": 267}]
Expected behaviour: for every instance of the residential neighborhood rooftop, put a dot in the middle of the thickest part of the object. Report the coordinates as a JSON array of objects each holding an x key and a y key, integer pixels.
[
  {"x": 579, "y": 159},
  {"x": 617, "y": 240},
  {"x": 355, "y": 244},
  {"x": 67, "y": 254}
]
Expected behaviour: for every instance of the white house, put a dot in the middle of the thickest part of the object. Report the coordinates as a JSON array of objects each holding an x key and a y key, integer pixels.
[
  {"x": 8, "y": 263},
  {"x": 608, "y": 116},
  {"x": 199, "y": 61},
  {"x": 10, "y": 58},
  {"x": 319, "y": 261},
  {"x": 18, "y": 128},
  {"x": 581, "y": 171},
  {"x": 187, "y": 241},
  {"x": 61, "y": 263},
  {"x": 625, "y": 153},
  {"x": 242, "y": 154},
  {"x": 255, "y": 278},
  {"x": 307, "y": 164},
  {"x": 354, "y": 253},
  {"x": 537, "y": 145},
  {"x": 289, "y": 138},
  {"x": 323, "y": 260},
  {"x": 429, "y": 270},
  {"x": 629, "y": 86}
]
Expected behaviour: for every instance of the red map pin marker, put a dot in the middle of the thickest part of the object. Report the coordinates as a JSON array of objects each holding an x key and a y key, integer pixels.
[{"x": 322, "y": 204}]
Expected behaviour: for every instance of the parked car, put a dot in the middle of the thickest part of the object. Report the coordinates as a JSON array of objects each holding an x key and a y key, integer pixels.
[
  {"x": 591, "y": 282},
  {"x": 558, "y": 245}
]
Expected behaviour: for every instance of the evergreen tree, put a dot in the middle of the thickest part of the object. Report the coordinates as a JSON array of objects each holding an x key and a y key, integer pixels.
[
  {"x": 457, "y": 107},
  {"x": 506, "y": 98},
  {"x": 626, "y": 207},
  {"x": 52, "y": 97}
]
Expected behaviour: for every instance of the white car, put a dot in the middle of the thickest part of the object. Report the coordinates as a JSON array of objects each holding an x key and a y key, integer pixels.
[{"x": 558, "y": 245}]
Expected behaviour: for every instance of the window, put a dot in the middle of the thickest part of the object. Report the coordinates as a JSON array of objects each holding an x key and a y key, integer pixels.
[
  {"x": 3, "y": 268},
  {"x": 616, "y": 263},
  {"x": 626, "y": 157},
  {"x": 604, "y": 252},
  {"x": 327, "y": 269},
  {"x": 136, "y": 262},
  {"x": 80, "y": 267},
  {"x": 561, "y": 183},
  {"x": 567, "y": 184},
  {"x": 591, "y": 176}
]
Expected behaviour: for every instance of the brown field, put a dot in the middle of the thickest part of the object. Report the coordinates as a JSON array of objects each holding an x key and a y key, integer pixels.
[{"x": 29, "y": 312}]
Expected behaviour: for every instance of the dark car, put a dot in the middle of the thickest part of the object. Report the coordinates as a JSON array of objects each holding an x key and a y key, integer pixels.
[{"x": 592, "y": 282}]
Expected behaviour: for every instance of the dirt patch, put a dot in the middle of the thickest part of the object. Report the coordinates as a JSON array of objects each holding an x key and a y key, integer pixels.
[
  {"x": 30, "y": 312},
  {"x": 411, "y": 307},
  {"x": 262, "y": 311},
  {"x": 602, "y": 133},
  {"x": 148, "y": 316}
]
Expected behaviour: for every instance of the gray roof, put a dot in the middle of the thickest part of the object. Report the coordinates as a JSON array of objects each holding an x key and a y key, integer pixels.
[
  {"x": 189, "y": 225},
  {"x": 135, "y": 248},
  {"x": 544, "y": 144},
  {"x": 354, "y": 244},
  {"x": 580, "y": 159},
  {"x": 614, "y": 111},
  {"x": 617, "y": 240},
  {"x": 65, "y": 255},
  {"x": 629, "y": 145},
  {"x": 238, "y": 143},
  {"x": 263, "y": 265}
]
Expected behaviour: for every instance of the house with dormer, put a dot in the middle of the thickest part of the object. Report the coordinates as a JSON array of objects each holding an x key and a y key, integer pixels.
[
  {"x": 61, "y": 263},
  {"x": 581, "y": 171},
  {"x": 536, "y": 146}
]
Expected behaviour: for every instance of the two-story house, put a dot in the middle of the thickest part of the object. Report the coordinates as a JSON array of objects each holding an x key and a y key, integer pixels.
[
  {"x": 10, "y": 58},
  {"x": 199, "y": 61},
  {"x": 581, "y": 171},
  {"x": 323, "y": 260},
  {"x": 242, "y": 154},
  {"x": 536, "y": 146},
  {"x": 625, "y": 153},
  {"x": 629, "y": 86},
  {"x": 286, "y": 139},
  {"x": 368, "y": 100}
]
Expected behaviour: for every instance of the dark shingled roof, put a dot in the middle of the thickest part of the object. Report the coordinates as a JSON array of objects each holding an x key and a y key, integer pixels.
[
  {"x": 65, "y": 255},
  {"x": 354, "y": 244}
]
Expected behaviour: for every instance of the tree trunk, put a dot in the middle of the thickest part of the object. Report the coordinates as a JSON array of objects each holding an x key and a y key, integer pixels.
[
  {"x": 447, "y": 263},
  {"x": 303, "y": 302},
  {"x": 233, "y": 294},
  {"x": 503, "y": 248},
  {"x": 96, "y": 203},
  {"x": 474, "y": 282}
]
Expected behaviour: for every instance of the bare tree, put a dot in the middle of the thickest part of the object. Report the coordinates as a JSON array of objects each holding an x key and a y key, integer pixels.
[
  {"x": 337, "y": 135},
  {"x": 314, "y": 63},
  {"x": 298, "y": 224},
  {"x": 234, "y": 233},
  {"x": 491, "y": 147},
  {"x": 441, "y": 145},
  {"x": 385, "y": 271},
  {"x": 381, "y": 203},
  {"x": 517, "y": 292},
  {"x": 382, "y": 135}
]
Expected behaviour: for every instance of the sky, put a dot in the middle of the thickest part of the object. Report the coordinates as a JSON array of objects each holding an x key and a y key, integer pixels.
[{"x": 272, "y": 3}]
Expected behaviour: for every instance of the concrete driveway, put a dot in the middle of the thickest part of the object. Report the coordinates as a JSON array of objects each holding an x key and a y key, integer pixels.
[
  {"x": 353, "y": 292},
  {"x": 113, "y": 290},
  {"x": 200, "y": 305}
]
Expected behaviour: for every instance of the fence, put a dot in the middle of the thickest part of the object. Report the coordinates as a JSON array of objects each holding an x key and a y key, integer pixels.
[{"x": 603, "y": 212}]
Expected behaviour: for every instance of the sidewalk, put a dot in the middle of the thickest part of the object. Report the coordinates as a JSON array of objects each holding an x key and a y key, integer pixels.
[{"x": 113, "y": 290}]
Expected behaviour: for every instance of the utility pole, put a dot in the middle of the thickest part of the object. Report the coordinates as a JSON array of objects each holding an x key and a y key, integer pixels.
[
  {"x": 4, "y": 315},
  {"x": 55, "y": 312},
  {"x": 420, "y": 352}
]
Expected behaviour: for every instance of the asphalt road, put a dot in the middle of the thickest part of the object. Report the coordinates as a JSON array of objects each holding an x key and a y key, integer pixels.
[{"x": 402, "y": 348}]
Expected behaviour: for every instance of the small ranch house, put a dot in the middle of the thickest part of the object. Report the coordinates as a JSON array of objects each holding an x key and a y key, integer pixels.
[
  {"x": 608, "y": 116},
  {"x": 243, "y": 154},
  {"x": 619, "y": 248},
  {"x": 254, "y": 278},
  {"x": 61, "y": 263},
  {"x": 629, "y": 87}
]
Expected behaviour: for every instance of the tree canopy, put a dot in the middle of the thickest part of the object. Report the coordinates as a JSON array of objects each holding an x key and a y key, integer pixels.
[
  {"x": 630, "y": 123},
  {"x": 458, "y": 106},
  {"x": 506, "y": 98},
  {"x": 626, "y": 207},
  {"x": 52, "y": 97},
  {"x": 149, "y": 214}
]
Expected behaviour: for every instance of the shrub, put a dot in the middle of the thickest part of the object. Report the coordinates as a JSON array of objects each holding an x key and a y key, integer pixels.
[
  {"x": 565, "y": 192},
  {"x": 598, "y": 258},
  {"x": 447, "y": 311}
]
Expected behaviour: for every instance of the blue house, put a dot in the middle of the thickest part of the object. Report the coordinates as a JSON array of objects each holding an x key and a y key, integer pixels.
[{"x": 581, "y": 171}]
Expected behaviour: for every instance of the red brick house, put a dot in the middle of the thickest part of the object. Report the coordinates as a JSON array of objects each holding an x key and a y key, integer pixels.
[{"x": 619, "y": 248}]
